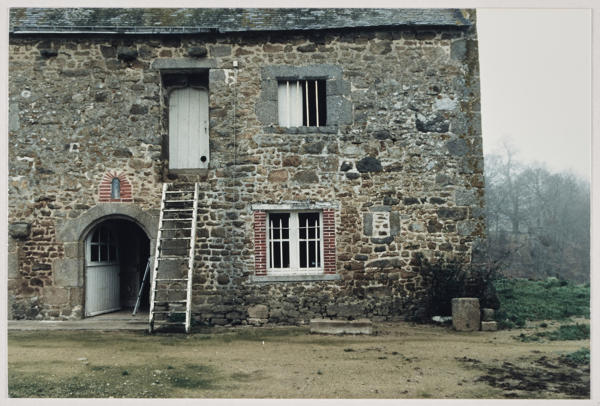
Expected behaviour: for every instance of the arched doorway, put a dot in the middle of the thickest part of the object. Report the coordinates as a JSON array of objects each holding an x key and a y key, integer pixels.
[{"x": 116, "y": 254}]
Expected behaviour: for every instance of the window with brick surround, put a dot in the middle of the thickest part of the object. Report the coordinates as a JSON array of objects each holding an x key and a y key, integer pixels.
[{"x": 294, "y": 242}]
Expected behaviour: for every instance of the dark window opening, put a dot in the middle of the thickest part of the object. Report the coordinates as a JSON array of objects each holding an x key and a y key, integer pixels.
[{"x": 185, "y": 79}]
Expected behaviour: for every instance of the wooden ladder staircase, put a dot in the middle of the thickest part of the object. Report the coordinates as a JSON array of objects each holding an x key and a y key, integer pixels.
[{"x": 171, "y": 289}]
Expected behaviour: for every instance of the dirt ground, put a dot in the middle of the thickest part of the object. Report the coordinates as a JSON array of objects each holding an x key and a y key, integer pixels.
[{"x": 401, "y": 360}]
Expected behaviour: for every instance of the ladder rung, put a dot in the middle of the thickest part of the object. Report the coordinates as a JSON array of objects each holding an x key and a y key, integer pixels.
[
  {"x": 172, "y": 257},
  {"x": 185, "y": 219},
  {"x": 169, "y": 289},
  {"x": 158, "y": 302},
  {"x": 180, "y": 191},
  {"x": 178, "y": 209},
  {"x": 169, "y": 311},
  {"x": 175, "y": 229},
  {"x": 178, "y": 201},
  {"x": 175, "y": 238},
  {"x": 170, "y": 279}
]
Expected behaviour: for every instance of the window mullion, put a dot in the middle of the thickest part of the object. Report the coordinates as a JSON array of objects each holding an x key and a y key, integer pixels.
[
  {"x": 294, "y": 245},
  {"x": 317, "y": 102}
]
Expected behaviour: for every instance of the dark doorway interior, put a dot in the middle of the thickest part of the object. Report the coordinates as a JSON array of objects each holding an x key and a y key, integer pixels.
[{"x": 134, "y": 249}]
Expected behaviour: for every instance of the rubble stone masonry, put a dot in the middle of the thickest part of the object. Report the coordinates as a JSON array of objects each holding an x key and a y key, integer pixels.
[{"x": 400, "y": 162}]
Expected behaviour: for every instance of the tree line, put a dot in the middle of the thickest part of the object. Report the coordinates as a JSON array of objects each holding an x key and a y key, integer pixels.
[{"x": 538, "y": 221}]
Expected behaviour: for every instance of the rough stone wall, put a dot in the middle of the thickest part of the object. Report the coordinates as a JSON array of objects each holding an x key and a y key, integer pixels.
[{"x": 403, "y": 162}]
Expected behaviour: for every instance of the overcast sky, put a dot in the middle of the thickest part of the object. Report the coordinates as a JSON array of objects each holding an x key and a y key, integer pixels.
[{"x": 536, "y": 84}]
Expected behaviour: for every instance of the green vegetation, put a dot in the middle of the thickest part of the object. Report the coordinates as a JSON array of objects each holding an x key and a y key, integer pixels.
[
  {"x": 563, "y": 333},
  {"x": 579, "y": 357},
  {"x": 98, "y": 381},
  {"x": 552, "y": 299}
]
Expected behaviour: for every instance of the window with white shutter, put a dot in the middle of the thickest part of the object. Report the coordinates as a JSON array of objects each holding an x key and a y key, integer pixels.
[{"x": 302, "y": 103}]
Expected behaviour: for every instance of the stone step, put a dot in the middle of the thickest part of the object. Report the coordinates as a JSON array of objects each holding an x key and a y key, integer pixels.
[{"x": 327, "y": 326}]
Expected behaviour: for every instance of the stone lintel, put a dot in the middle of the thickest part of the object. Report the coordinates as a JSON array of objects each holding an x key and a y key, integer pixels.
[
  {"x": 294, "y": 206},
  {"x": 183, "y": 64}
]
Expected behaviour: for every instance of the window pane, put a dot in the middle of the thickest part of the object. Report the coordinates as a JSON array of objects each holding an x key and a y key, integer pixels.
[
  {"x": 318, "y": 255},
  {"x": 276, "y": 234},
  {"x": 312, "y": 254},
  {"x": 95, "y": 235},
  {"x": 286, "y": 254},
  {"x": 312, "y": 232},
  {"x": 302, "y": 254},
  {"x": 284, "y": 217},
  {"x": 276, "y": 255},
  {"x": 94, "y": 253},
  {"x": 103, "y": 253}
]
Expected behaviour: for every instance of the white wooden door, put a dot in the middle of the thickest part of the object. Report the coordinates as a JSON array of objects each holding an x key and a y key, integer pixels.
[
  {"x": 188, "y": 128},
  {"x": 102, "y": 285}
]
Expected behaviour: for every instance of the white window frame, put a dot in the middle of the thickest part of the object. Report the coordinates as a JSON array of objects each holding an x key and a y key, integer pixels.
[
  {"x": 294, "y": 244},
  {"x": 110, "y": 240}
]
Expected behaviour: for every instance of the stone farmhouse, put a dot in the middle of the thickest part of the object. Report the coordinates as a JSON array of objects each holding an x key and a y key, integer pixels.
[{"x": 278, "y": 165}]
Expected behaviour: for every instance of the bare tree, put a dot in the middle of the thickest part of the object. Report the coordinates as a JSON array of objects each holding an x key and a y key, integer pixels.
[{"x": 539, "y": 220}]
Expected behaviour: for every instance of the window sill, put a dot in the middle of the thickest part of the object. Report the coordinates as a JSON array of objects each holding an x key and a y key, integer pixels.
[
  {"x": 328, "y": 129},
  {"x": 189, "y": 171},
  {"x": 294, "y": 278}
]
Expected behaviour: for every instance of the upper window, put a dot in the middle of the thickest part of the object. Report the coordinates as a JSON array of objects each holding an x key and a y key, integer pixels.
[
  {"x": 294, "y": 242},
  {"x": 102, "y": 246},
  {"x": 115, "y": 188},
  {"x": 302, "y": 103},
  {"x": 188, "y": 120},
  {"x": 299, "y": 99}
]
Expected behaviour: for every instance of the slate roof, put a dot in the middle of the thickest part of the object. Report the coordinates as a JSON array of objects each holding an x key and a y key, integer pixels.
[{"x": 198, "y": 20}]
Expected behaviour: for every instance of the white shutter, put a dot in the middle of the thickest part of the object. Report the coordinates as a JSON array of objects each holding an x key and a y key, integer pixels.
[
  {"x": 289, "y": 96},
  {"x": 188, "y": 128}
]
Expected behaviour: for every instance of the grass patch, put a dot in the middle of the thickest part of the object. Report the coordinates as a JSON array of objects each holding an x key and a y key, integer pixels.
[
  {"x": 563, "y": 333},
  {"x": 196, "y": 377},
  {"x": 579, "y": 357},
  {"x": 102, "y": 381},
  {"x": 552, "y": 299}
]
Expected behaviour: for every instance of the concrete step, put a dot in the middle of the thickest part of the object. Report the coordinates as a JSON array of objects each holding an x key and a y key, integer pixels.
[{"x": 327, "y": 326}]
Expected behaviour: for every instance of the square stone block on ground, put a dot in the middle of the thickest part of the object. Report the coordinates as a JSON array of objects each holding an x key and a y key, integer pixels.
[
  {"x": 465, "y": 314},
  {"x": 489, "y": 326}
]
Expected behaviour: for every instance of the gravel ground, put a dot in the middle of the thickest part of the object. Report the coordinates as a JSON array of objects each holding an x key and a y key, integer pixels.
[{"x": 401, "y": 360}]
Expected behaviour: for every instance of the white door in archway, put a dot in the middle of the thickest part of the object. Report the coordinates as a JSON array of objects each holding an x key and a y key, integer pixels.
[{"x": 102, "y": 287}]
